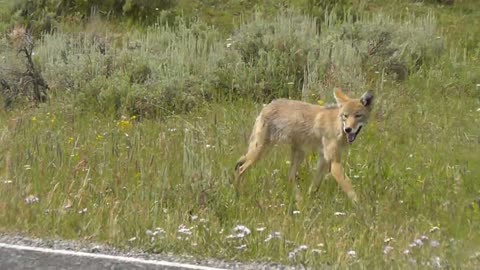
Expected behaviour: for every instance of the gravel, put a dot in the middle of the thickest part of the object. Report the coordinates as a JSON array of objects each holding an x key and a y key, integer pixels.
[{"x": 17, "y": 239}]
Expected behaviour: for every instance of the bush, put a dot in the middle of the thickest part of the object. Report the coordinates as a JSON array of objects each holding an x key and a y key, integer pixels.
[
  {"x": 173, "y": 68},
  {"x": 289, "y": 57},
  {"x": 20, "y": 75},
  {"x": 383, "y": 44},
  {"x": 167, "y": 69}
]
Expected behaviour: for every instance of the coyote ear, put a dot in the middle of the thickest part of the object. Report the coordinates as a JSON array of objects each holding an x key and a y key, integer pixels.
[
  {"x": 340, "y": 97},
  {"x": 367, "y": 99}
]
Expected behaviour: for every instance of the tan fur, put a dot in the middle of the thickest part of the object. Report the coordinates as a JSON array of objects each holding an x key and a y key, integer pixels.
[{"x": 307, "y": 127}]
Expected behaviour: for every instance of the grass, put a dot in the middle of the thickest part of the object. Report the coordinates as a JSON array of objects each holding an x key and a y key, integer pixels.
[{"x": 164, "y": 185}]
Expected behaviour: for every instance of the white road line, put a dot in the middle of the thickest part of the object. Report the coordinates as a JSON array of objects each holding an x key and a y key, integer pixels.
[{"x": 108, "y": 257}]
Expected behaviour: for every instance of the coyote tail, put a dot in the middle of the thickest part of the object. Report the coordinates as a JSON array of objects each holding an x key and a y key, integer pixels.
[{"x": 256, "y": 144}]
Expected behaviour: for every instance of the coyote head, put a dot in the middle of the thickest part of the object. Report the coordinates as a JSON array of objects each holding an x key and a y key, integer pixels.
[{"x": 354, "y": 113}]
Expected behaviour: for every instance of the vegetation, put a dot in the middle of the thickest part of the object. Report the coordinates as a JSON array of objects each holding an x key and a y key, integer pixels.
[{"x": 136, "y": 144}]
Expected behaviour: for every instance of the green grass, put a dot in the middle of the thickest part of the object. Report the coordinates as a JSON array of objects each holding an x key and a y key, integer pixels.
[
  {"x": 415, "y": 167},
  {"x": 111, "y": 179}
]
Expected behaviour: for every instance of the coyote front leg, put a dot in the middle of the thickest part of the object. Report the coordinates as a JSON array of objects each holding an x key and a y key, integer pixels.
[
  {"x": 343, "y": 180},
  {"x": 332, "y": 155}
]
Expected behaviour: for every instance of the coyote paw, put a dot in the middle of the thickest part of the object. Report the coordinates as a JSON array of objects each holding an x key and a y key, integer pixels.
[{"x": 353, "y": 196}]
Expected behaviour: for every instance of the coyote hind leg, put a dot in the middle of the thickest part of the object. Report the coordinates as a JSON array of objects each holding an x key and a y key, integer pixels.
[{"x": 297, "y": 158}]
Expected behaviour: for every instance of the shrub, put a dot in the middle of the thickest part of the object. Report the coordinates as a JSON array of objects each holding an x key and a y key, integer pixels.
[
  {"x": 20, "y": 76},
  {"x": 172, "y": 68},
  {"x": 383, "y": 44},
  {"x": 289, "y": 57}
]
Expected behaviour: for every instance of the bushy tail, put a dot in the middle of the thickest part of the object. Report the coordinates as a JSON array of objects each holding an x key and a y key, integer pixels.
[
  {"x": 256, "y": 146},
  {"x": 240, "y": 162}
]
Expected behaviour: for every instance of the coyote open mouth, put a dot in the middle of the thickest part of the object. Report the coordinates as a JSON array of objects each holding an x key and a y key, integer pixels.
[{"x": 352, "y": 136}]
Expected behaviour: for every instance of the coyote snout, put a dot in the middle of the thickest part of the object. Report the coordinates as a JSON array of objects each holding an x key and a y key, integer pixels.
[{"x": 307, "y": 127}]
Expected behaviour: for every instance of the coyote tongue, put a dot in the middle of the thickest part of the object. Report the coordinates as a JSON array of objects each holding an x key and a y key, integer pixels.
[{"x": 351, "y": 136}]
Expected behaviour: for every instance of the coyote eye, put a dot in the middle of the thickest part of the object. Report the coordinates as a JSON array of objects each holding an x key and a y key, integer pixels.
[
  {"x": 344, "y": 115},
  {"x": 358, "y": 115}
]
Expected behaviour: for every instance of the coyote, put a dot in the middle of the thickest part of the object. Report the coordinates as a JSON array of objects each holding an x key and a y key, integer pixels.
[{"x": 326, "y": 129}]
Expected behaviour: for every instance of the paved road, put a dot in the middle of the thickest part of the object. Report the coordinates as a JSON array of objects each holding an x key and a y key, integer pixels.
[{"x": 14, "y": 257}]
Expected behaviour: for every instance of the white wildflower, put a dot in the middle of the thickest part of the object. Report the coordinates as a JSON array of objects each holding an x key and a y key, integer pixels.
[
  {"x": 434, "y": 229},
  {"x": 184, "y": 230},
  {"x": 158, "y": 230},
  {"x": 417, "y": 243},
  {"x": 240, "y": 231},
  {"x": 296, "y": 212},
  {"x": 243, "y": 229},
  {"x": 273, "y": 236},
  {"x": 387, "y": 249},
  {"x": 260, "y": 229},
  {"x": 241, "y": 247},
  {"x": 475, "y": 255},
  {"x": 132, "y": 239},
  {"x": 352, "y": 253},
  {"x": 31, "y": 199},
  {"x": 293, "y": 254},
  {"x": 406, "y": 251},
  {"x": 388, "y": 239},
  {"x": 339, "y": 214},
  {"x": 434, "y": 243},
  {"x": 302, "y": 247},
  {"x": 83, "y": 211},
  {"x": 436, "y": 262}
]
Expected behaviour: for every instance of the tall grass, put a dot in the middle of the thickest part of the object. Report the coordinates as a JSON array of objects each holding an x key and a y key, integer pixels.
[{"x": 87, "y": 166}]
